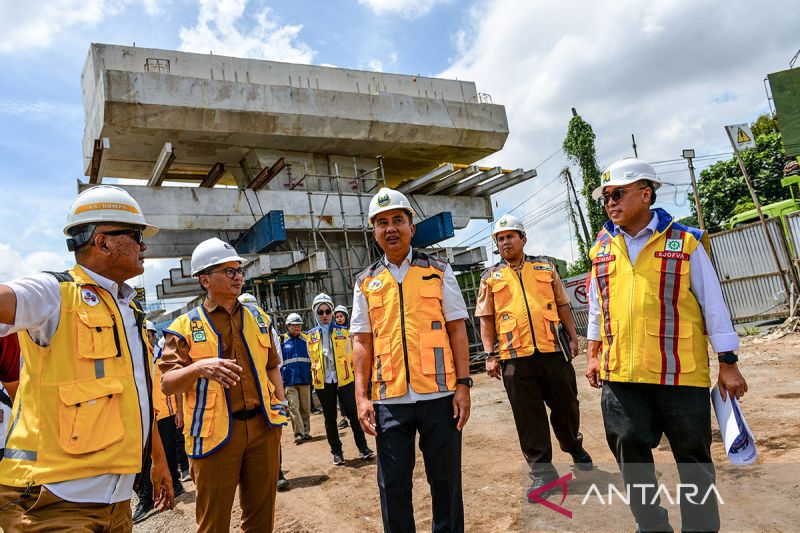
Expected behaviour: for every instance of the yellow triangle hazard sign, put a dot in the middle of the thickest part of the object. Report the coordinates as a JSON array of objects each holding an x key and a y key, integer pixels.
[{"x": 742, "y": 136}]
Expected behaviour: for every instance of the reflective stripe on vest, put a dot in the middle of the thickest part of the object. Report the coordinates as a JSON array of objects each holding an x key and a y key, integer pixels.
[{"x": 652, "y": 328}]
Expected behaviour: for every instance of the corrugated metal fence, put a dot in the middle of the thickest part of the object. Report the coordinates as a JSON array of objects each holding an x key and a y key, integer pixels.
[{"x": 751, "y": 283}]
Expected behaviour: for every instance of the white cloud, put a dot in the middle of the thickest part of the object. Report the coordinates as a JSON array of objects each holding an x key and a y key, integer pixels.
[
  {"x": 407, "y": 9},
  {"x": 223, "y": 28},
  {"x": 671, "y": 71},
  {"x": 41, "y": 109},
  {"x": 13, "y": 264},
  {"x": 27, "y": 26},
  {"x": 375, "y": 65}
]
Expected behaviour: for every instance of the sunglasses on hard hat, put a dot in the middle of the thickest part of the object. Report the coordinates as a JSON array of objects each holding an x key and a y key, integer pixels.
[
  {"x": 322, "y": 312},
  {"x": 616, "y": 195},
  {"x": 133, "y": 233}
]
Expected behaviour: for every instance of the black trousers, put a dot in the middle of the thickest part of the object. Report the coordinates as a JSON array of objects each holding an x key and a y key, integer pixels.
[
  {"x": 347, "y": 399},
  {"x": 440, "y": 443},
  {"x": 167, "y": 432},
  {"x": 635, "y": 417},
  {"x": 543, "y": 379}
]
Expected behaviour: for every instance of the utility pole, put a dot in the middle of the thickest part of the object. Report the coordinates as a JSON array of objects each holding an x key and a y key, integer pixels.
[
  {"x": 688, "y": 154},
  {"x": 763, "y": 220},
  {"x": 633, "y": 140},
  {"x": 568, "y": 175}
]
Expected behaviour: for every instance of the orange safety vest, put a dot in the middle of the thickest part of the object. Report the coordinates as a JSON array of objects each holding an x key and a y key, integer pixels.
[
  {"x": 652, "y": 328},
  {"x": 207, "y": 408},
  {"x": 525, "y": 311},
  {"x": 76, "y": 413},
  {"x": 410, "y": 342}
]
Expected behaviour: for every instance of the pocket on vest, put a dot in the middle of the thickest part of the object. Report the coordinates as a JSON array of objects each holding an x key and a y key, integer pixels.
[
  {"x": 668, "y": 347},
  {"x": 201, "y": 409},
  {"x": 95, "y": 335},
  {"x": 502, "y": 294},
  {"x": 382, "y": 366},
  {"x": 508, "y": 334},
  {"x": 434, "y": 348},
  {"x": 551, "y": 321},
  {"x": 89, "y": 417}
]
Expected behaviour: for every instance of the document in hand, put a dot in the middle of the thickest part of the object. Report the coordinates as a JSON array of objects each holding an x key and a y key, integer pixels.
[{"x": 739, "y": 442}]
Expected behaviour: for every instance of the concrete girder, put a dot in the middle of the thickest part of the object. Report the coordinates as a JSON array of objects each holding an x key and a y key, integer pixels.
[
  {"x": 189, "y": 215},
  {"x": 502, "y": 184},
  {"x": 426, "y": 179},
  {"x": 481, "y": 188},
  {"x": 463, "y": 187},
  {"x": 99, "y": 162},
  {"x": 315, "y": 262},
  {"x": 450, "y": 180},
  {"x": 177, "y": 278},
  {"x": 166, "y": 290},
  {"x": 163, "y": 163}
]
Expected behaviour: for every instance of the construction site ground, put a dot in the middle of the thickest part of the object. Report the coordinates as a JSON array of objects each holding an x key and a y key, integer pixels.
[{"x": 327, "y": 498}]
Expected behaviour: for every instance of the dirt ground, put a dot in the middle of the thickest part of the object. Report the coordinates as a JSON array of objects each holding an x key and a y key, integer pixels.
[{"x": 327, "y": 498}]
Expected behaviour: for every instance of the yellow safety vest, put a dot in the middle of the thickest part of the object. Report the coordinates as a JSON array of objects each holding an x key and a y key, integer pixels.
[
  {"x": 76, "y": 413},
  {"x": 410, "y": 342},
  {"x": 163, "y": 405},
  {"x": 207, "y": 418},
  {"x": 340, "y": 338},
  {"x": 523, "y": 303},
  {"x": 652, "y": 327}
]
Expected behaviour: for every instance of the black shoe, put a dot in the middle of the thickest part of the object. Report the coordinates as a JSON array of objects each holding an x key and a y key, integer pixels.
[
  {"x": 538, "y": 483},
  {"x": 366, "y": 453},
  {"x": 178, "y": 489},
  {"x": 143, "y": 509},
  {"x": 583, "y": 461},
  {"x": 306, "y": 436},
  {"x": 316, "y": 410},
  {"x": 185, "y": 475},
  {"x": 338, "y": 459},
  {"x": 283, "y": 483},
  {"x": 344, "y": 424},
  {"x": 298, "y": 439}
]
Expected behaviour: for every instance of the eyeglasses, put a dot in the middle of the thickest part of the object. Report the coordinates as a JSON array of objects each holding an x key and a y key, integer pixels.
[
  {"x": 617, "y": 195},
  {"x": 230, "y": 271},
  {"x": 133, "y": 233},
  {"x": 321, "y": 312}
]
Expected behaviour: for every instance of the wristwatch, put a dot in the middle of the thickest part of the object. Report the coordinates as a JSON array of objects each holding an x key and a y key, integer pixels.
[
  {"x": 728, "y": 357},
  {"x": 465, "y": 381}
]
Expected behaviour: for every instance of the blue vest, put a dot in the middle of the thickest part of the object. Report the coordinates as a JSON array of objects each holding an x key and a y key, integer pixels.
[{"x": 296, "y": 369}]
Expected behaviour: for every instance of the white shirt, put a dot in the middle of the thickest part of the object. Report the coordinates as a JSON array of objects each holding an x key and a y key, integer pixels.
[
  {"x": 453, "y": 308},
  {"x": 38, "y": 312},
  {"x": 703, "y": 283}
]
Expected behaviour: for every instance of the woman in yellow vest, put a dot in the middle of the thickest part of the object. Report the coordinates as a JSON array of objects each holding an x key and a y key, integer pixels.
[
  {"x": 654, "y": 299},
  {"x": 221, "y": 357},
  {"x": 332, "y": 376}
]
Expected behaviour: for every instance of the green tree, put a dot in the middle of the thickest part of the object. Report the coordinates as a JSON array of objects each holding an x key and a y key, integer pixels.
[
  {"x": 579, "y": 148},
  {"x": 722, "y": 189}
]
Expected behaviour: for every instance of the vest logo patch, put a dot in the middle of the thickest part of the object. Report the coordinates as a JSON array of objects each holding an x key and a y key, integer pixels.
[
  {"x": 313, "y": 338},
  {"x": 603, "y": 259},
  {"x": 196, "y": 325},
  {"x": 199, "y": 336},
  {"x": 543, "y": 267},
  {"x": 497, "y": 274},
  {"x": 260, "y": 321},
  {"x": 604, "y": 248},
  {"x": 89, "y": 297},
  {"x": 672, "y": 255},
  {"x": 375, "y": 284},
  {"x": 674, "y": 245},
  {"x": 339, "y": 333}
]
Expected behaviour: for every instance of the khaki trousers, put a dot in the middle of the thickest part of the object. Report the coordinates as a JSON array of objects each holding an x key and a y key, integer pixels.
[
  {"x": 43, "y": 511},
  {"x": 299, "y": 397},
  {"x": 250, "y": 460}
]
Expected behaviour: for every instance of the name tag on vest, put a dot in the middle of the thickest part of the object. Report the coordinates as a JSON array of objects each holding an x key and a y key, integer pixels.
[
  {"x": 603, "y": 259},
  {"x": 672, "y": 255}
]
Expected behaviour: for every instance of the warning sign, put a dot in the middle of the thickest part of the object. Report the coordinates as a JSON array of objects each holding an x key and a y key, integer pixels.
[
  {"x": 576, "y": 289},
  {"x": 741, "y": 136}
]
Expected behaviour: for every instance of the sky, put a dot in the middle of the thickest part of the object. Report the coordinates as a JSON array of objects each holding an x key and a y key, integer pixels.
[{"x": 672, "y": 72}]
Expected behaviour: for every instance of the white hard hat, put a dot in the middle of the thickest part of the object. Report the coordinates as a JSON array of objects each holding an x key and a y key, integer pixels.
[
  {"x": 294, "y": 318},
  {"x": 149, "y": 326},
  {"x": 341, "y": 309},
  {"x": 321, "y": 298},
  {"x": 624, "y": 172},
  {"x": 247, "y": 298},
  {"x": 103, "y": 204},
  {"x": 506, "y": 223},
  {"x": 212, "y": 252},
  {"x": 388, "y": 199}
]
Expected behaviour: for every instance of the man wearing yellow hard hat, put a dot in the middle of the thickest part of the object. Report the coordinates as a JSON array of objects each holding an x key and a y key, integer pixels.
[{"x": 82, "y": 420}]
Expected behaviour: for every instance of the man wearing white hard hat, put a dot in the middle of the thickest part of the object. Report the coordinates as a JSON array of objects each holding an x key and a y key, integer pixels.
[
  {"x": 296, "y": 373},
  {"x": 526, "y": 323},
  {"x": 83, "y": 415},
  {"x": 410, "y": 340},
  {"x": 221, "y": 357},
  {"x": 654, "y": 303}
]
